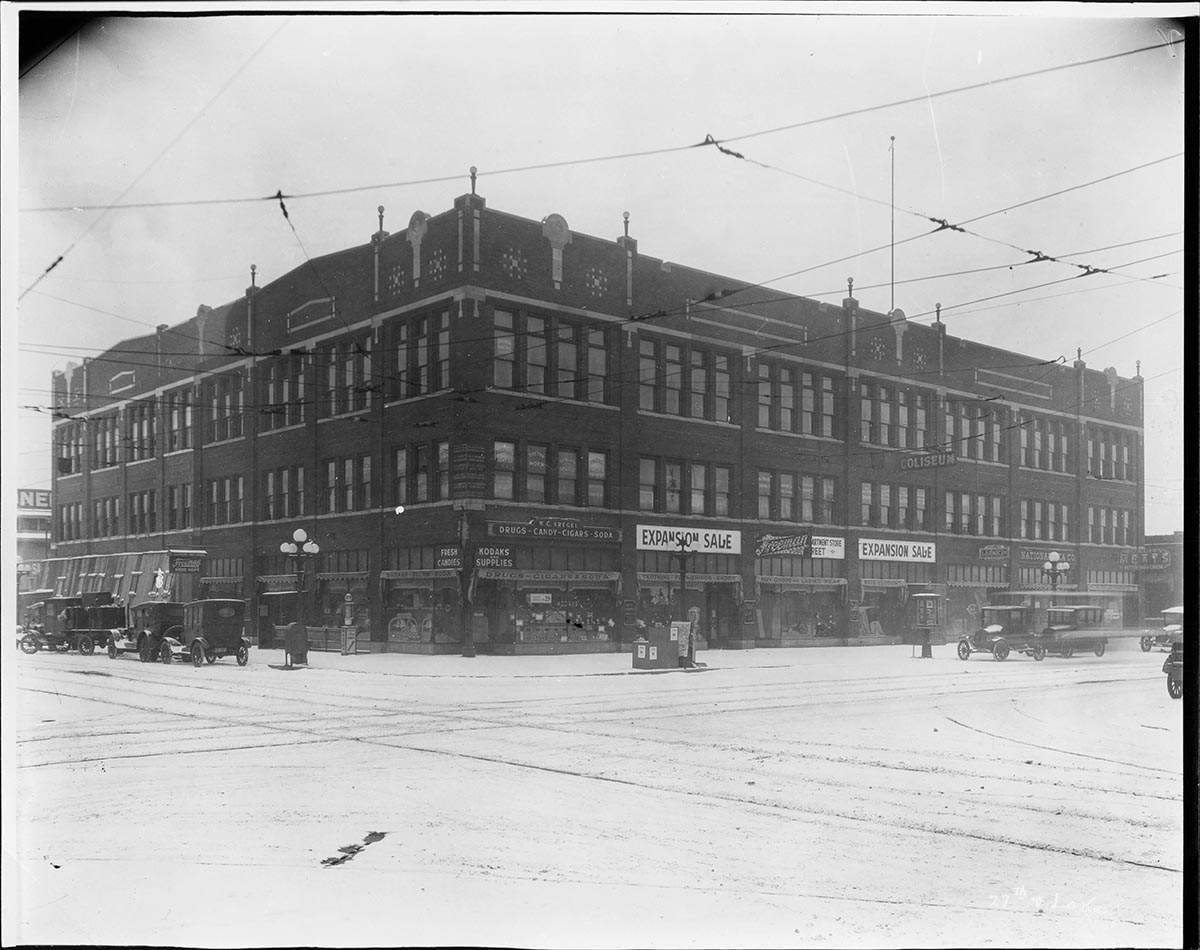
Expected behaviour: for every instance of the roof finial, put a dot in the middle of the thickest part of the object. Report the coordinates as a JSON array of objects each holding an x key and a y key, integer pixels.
[
  {"x": 850, "y": 286},
  {"x": 626, "y": 216},
  {"x": 380, "y": 209},
  {"x": 1079, "y": 352},
  {"x": 253, "y": 271},
  {"x": 473, "y": 171},
  {"x": 938, "y": 308},
  {"x": 1139, "y": 367}
]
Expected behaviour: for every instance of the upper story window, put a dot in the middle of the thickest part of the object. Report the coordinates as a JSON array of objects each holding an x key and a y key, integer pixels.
[
  {"x": 106, "y": 436},
  {"x": 679, "y": 487},
  {"x": 554, "y": 474},
  {"x": 177, "y": 418},
  {"x": 896, "y": 416},
  {"x": 794, "y": 399},
  {"x": 420, "y": 473},
  {"x": 346, "y": 376},
  {"x": 420, "y": 354},
  {"x": 225, "y": 398},
  {"x": 549, "y": 356},
  {"x": 1047, "y": 444},
  {"x": 1112, "y": 454},
  {"x": 679, "y": 379},
  {"x": 70, "y": 439},
  {"x": 140, "y": 429},
  {"x": 285, "y": 392}
]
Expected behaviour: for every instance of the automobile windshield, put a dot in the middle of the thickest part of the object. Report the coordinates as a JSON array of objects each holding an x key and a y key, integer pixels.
[{"x": 1060, "y": 616}]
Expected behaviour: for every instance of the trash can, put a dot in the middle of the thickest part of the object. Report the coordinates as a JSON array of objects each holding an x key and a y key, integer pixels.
[{"x": 295, "y": 644}]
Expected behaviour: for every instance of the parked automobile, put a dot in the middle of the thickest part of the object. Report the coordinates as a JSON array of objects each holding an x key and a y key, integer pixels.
[
  {"x": 52, "y": 624},
  {"x": 147, "y": 624},
  {"x": 1074, "y": 628},
  {"x": 1004, "y": 628},
  {"x": 211, "y": 629},
  {"x": 1172, "y": 630},
  {"x": 1173, "y": 667}
]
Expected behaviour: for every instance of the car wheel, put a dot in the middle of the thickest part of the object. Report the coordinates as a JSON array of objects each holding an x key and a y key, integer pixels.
[
  {"x": 113, "y": 652},
  {"x": 1100, "y": 648},
  {"x": 1147, "y": 643},
  {"x": 964, "y": 650},
  {"x": 63, "y": 647},
  {"x": 1068, "y": 652},
  {"x": 197, "y": 655},
  {"x": 30, "y": 644},
  {"x": 243, "y": 655},
  {"x": 164, "y": 652},
  {"x": 87, "y": 645},
  {"x": 210, "y": 656},
  {"x": 1174, "y": 687},
  {"x": 1039, "y": 652},
  {"x": 1000, "y": 650}
]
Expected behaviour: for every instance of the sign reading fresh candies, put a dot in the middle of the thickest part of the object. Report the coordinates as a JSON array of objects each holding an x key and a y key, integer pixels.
[
  {"x": 876, "y": 549},
  {"x": 702, "y": 540}
]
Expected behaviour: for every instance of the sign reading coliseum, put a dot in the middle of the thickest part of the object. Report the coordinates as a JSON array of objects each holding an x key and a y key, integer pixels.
[
  {"x": 651, "y": 537},
  {"x": 875, "y": 549},
  {"x": 927, "y": 460}
]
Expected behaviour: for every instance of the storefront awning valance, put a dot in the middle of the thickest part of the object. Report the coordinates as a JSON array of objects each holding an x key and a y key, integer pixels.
[
  {"x": 1113, "y": 588},
  {"x": 431, "y": 574},
  {"x": 572, "y": 578},
  {"x": 342, "y": 576},
  {"x": 277, "y": 583},
  {"x": 781, "y": 582},
  {"x": 221, "y": 581},
  {"x": 980, "y": 585},
  {"x": 666, "y": 577},
  {"x": 883, "y": 583}
]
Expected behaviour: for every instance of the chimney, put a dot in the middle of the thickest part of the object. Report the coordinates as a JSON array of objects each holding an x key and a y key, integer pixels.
[{"x": 202, "y": 313}]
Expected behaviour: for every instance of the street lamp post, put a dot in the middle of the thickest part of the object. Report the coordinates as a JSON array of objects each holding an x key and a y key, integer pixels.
[
  {"x": 468, "y": 638},
  {"x": 299, "y": 549},
  {"x": 1053, "y": 569}
]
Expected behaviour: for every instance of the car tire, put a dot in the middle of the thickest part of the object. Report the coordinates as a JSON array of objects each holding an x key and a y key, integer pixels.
[
  {"x": 164, "y": 652},
  {"x": 1039, "y": 652},
  {"x": 87, "y": 646},
  {"x": 1174, "y": 687},
  {"x": 1000, "y": 650},
  {"x": 964, "y": 650},
  {"x": 243, "y": 655},
  {"x": 210, "y": 656},
  {"x": 197, "y": 655},
  {"x": 144, "y": 650},
  {"x": 1100, "y": 648},
  {"x": 113, "y": 652},
  {"x": 30, "y": 644},
  {"x": 1147, "y": 643},
  {"x": 1067, "y": 652}
]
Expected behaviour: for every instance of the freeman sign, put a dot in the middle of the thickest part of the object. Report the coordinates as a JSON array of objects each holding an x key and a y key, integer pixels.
[
  {"x": 927, "y": 460},
  {"x": 875, "y": 549},
  {"x": 800, "y": 545},
  {"x": 652, "y": 537}
]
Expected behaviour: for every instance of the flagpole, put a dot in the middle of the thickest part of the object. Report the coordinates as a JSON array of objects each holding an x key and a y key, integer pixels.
[{"x": 892, "y": 149}]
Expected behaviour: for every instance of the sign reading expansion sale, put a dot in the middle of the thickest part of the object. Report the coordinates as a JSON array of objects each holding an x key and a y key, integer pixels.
[
  {"x": 877, "y": 549},
  {"x": 652, "y": 537}
]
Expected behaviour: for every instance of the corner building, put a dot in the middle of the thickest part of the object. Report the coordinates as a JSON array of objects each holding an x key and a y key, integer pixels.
[{"x": 571, "y": 408}]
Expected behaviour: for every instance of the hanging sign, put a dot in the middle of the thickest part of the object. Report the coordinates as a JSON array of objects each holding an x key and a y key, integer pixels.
[
  {"x": 879, "y": 549},
  {"x": 696, "y": 540}
]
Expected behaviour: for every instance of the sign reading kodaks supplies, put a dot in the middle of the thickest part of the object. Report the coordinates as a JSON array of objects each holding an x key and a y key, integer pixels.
[
  {"x": 877, "y": 549},
  {"x": 652, "y": 537}
]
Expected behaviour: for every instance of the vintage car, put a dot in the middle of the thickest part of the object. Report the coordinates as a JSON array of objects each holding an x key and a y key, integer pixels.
[
  {"x": 1173, "y": 667},
  {"x": 148, "y": 623},
  {"x": 53, "y": 624},
  {"x": 1003, "y": 628},
  {"x": 210, "y": 629},
  {"x": 1171, "y": 632},
  {"x": 1069, "y": 629}
]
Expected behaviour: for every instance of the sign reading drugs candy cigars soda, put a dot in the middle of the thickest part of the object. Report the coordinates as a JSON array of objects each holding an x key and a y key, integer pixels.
[
  {"x": 703, "y": 540},
  {"x": 882, "y": 549}
]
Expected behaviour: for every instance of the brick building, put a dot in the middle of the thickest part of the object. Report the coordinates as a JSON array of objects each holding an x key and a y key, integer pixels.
[{"x": 572, "y": 405}]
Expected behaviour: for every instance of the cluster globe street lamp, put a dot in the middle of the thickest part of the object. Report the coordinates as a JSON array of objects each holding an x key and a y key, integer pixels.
[
  {"x": 1053, "y": 568},
  {"x": 300, "y": 548}
]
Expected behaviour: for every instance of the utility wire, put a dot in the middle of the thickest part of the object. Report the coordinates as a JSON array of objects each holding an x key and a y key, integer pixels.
[
  {"x": 607, "y": 158},
  {"x": 104, "y": 210}
]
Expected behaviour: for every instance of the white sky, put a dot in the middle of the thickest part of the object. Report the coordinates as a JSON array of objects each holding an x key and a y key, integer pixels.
[{"x": 154, "y": 109}]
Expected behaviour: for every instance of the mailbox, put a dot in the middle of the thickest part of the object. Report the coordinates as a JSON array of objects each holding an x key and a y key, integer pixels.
[
  {"x": 656, "y": 650},
  {"x": 295, "y": 644}
]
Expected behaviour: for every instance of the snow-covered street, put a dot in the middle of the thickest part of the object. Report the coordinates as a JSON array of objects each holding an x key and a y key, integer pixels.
[{"x": 814, "y": 797}]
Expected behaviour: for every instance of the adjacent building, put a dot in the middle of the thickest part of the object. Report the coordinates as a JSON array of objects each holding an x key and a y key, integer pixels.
[
  {"x": 567, "y": 422},
  {"x": 33, "y": 534}
]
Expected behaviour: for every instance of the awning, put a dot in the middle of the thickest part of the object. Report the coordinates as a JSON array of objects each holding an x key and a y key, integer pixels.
[
  {"x": 551, "y": 578},
  {"x": 883, "y": 583},
  {"x": 980, "y": 585},
  {"x": 666, "y": 577},
  {"x": 1113, "y": 588},
  {"x": 342, "y": 576},
  {"x": 433, "y": 573},
  {"x": 781, "y": 582},
  {"x": 277, "y": 583},
  {"x": 221, "y": 581}
]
